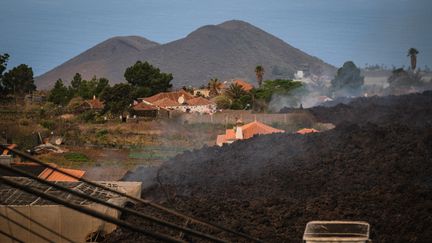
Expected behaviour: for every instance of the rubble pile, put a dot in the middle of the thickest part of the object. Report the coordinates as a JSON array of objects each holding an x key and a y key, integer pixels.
[{"x": 376, "y": 169}]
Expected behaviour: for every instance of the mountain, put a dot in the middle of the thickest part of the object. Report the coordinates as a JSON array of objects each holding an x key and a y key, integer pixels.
[
  {"x": 98, "y": 60},
  {"x": 229, "y": 50}
]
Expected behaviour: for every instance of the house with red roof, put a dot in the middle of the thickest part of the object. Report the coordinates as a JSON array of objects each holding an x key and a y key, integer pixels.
[
  {"x": 90, "y": 105},
  {"x": 179, "y": 96},
  {"x": 245, "y": 132},
  {"x": 180, "y": 101},
  {"x": 167, "y": 103},
  {"x": 144, "y": 110},
  {"x": 200, "y": 105}
]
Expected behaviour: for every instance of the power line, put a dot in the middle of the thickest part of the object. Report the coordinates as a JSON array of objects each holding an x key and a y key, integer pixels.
[
  {"x": 111, "y": 205},
  {"x": 41, "y": 225},
  {"x": 89, "y": 211},
  {"x": 26, "y": 228},
  {"x": 146, "y": 202},
  {"x": 11, "y": 237}
]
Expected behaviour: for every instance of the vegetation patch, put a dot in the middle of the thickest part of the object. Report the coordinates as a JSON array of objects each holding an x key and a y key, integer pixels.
[
  {"x": 101, "y": 133},
  {"x": 76, "y": 157},
  {"x": 48, "y": 124}
]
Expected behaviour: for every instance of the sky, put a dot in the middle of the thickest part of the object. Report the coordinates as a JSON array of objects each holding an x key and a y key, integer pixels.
[{"x": 46, "y": 33}]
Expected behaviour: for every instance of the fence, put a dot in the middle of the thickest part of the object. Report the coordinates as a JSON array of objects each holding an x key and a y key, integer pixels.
[{"x": 230, "y": 117}]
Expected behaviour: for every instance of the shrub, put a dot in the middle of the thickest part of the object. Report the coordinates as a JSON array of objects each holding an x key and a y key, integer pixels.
[
  {"x": 48, "y": 124},
  {"x": 101, "y": 133},
  {"x": 24, "y": 122},
  {"x": 236, "y": 105},
  {"x": 223, "y": 102},
  {"x": 88, "y": 116}
]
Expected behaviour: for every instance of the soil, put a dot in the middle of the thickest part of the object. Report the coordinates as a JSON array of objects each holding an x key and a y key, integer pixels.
[{"x": 375, "y": 166}]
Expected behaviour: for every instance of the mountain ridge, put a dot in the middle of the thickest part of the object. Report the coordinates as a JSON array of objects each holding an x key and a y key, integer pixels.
[{"x": 228, "y": 50}]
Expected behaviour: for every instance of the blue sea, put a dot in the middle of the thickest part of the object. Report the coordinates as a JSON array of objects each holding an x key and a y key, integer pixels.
[{"x": 46, "y": 33}]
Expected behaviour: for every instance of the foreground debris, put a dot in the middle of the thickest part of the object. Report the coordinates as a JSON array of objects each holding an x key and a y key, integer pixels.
[{"x": 47, "y": 148}]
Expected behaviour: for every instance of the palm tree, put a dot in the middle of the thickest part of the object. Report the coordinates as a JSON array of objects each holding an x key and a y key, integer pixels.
[
  {"x": 235, "y": 91},
  {"x": 259, "y": 72},
  {"x": 412, "y": 52},
  {"x": 214, "y": 86}
]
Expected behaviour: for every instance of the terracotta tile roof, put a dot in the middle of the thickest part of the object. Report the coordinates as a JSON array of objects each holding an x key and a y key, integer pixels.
[
  {"x": 165, "y": 102},
  {"x": 245, "y": 85},
  {"x": 253, "y": 128},
  {"x": 144, "y": 107},
  {"x": 95, "y": 104},
  {"x": 174, "y": 95},
  {"x": 306, "y": 130},
  {"x": 248, "y": 130},
  {"x": 199, "y": 101},
  {"x": 51, "y": 175},
  {"x": 230, "y": 134}
]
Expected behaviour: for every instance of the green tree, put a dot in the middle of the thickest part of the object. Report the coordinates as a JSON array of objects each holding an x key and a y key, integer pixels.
[
  {"x": 117, "y": 98},
  {"x": 412, "y": 53},
  {"x": 140, "y": 92},
  {"x": 88, "y": 88},
  {"x": 272, "y": 87},
  {"x": 76, "y": 81},
  {"x": 60, "y": 94},
  {"x": 259, "y": 72},
  {"x": 222, "y": 102},
  {"x": 143, "y": 74},
  {"x": 348, "y": 80},
  {"x": 3, "y": 64},
  {"x": 19, "y": 80},
  {"x": 240, "y": 99},
  {"x": 85, "y": 90},
  {"x": 100, "y": 86},
  {"x": 235, "y": 91}
]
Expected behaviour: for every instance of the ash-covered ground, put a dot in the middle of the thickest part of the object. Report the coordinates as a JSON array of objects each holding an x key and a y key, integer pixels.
[{"x": 376, "y": 166}]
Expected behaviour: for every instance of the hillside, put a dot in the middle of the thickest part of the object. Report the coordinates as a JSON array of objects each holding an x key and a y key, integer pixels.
[
  {"x": 228, "y": 50},
  {"x": 99, "y": 60}
]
